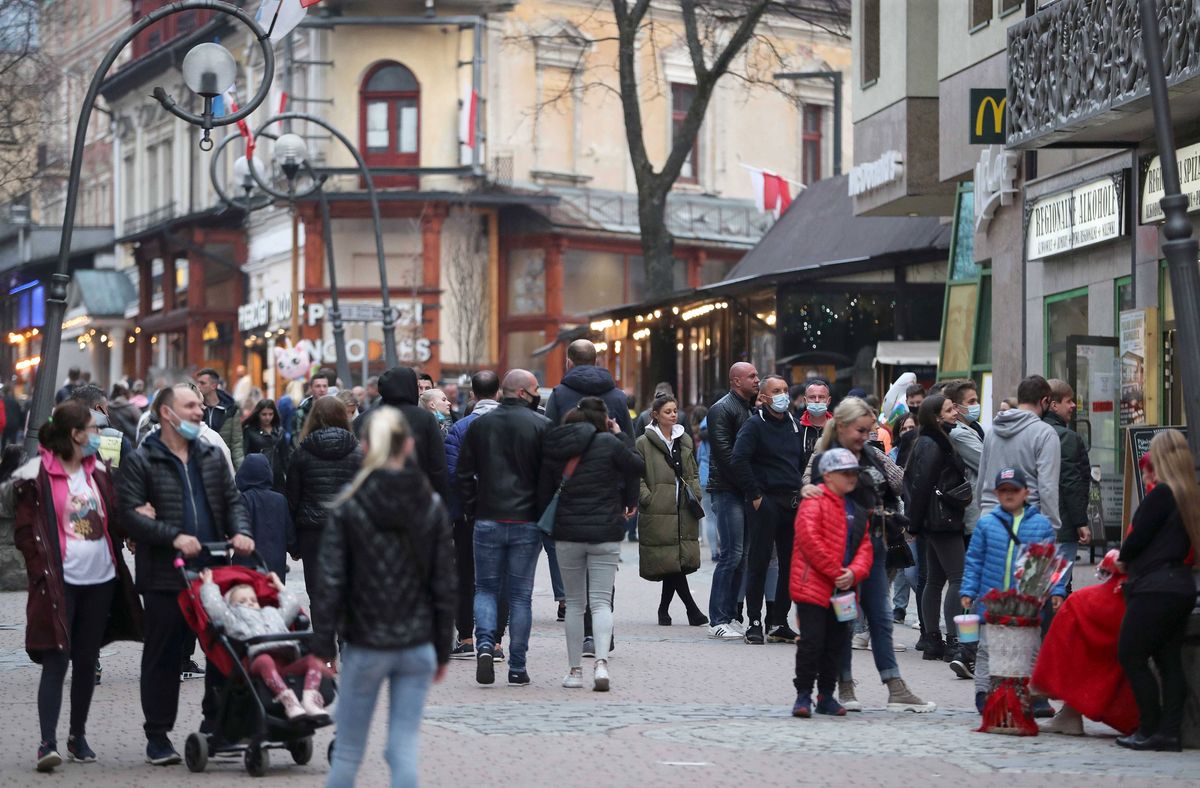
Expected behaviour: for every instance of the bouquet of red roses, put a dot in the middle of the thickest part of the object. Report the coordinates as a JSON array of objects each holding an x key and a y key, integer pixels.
[{"x": 1039, "y": 568}]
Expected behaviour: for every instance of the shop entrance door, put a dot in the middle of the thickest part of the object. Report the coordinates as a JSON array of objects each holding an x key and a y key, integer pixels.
[{"x": 1094, "y": 372}]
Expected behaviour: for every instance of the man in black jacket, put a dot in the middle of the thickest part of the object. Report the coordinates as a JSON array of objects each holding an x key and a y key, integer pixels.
[
  {"x": 175, "y": 493},
  {"x": 585, "y": 379},
  {"x": 725, "y": 418},
  {"x": 1074, "y": 478},
  {"x": 398, "y": 388},
  {"x": 768, "y": 462},
  {"x": 222, "y": 414},
  {"x": 499, "y": 465}
]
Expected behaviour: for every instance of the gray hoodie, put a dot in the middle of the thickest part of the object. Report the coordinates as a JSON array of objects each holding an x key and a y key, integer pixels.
[
  {"x": 1019, "y": 439},
  {"x": 969, "y": 446},
  {"x": 241, "y": 622}
]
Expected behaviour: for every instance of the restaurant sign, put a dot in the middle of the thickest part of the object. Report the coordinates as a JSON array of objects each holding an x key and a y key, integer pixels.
[
  {"x": 1088, "y": 214},
  {"x": 1189, "y": 183}
]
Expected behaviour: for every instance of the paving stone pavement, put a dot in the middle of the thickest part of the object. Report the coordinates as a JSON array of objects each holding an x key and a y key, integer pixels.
[{"x": 684, "y": 710}]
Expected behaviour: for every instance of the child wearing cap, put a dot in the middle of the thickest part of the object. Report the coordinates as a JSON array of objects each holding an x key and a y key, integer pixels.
[
  {"x": 992, "y": 556},
  {"x": 830, "y": 556}
]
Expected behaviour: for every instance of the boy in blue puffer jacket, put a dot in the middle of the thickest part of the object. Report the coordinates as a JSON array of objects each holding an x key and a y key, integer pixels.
[{"x": 992, "y": 558}]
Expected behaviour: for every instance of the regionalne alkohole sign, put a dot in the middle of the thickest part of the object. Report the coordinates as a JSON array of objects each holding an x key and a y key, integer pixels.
[
  {"x": 1189, "y": 183},
  {"x": 1088, "y": 214}
]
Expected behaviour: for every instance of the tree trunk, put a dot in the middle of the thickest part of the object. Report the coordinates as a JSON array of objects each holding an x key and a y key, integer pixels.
[{"x": 658, "y": 255}]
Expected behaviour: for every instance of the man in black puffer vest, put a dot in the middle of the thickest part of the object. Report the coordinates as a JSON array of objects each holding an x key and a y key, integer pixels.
[{"x": 174, "y": 494}]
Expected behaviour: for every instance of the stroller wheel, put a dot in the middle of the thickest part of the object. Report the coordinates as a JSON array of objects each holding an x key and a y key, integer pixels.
[
  {"x": 301, "y": 750},
  {"x": 257, "y": 760},
  {"x": 195, "y": 752}
]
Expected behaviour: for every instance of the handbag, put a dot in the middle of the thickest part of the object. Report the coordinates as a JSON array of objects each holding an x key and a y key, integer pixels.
[
  {"x": 545, "y": 523},
  {"x": 897, "y": 555},
  {"x": 694, "y": 507}
]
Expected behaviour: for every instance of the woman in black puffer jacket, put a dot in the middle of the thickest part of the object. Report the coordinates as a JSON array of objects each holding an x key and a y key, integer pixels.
[
  {"x": 590, "y": 522},
  {"x": 386, "y": 569},
  {"x": 935, "y": 464},
  {"x": 323, "y": 464}
]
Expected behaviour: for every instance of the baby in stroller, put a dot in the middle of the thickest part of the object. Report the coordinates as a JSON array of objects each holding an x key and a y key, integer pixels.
[{"x": 242, "y": 617}]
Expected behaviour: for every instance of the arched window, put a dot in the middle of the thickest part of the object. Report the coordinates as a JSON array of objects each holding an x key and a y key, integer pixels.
[{"x": 390, "y": 121}]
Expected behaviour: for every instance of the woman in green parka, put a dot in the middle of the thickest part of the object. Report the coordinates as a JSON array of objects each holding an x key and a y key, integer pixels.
[{"x": 669, "y": 536}]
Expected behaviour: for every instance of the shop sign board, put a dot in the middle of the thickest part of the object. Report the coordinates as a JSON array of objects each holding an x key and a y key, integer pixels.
[
  {"x": 995, "y": 183},
  {"x": 1088, "y": 214},
  {"x": 987, "y": 116},
  {"x": 408, "y": 312},
  {"x": 870, "y": 176},
  {"x": 1188, "y": 159},
  {"x": 264, "y": 312}
]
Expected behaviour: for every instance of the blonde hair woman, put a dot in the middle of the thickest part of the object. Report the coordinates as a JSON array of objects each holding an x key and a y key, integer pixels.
[
  {"x": 436, "y": 402},
  {"x": 386, "y": 573},
  {"x": 1160, "y": 593}
]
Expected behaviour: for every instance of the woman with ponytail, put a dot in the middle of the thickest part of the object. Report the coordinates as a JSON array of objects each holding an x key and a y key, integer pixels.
[
  {"x": 386, "y": 573},
  {"x": 80, "y": 593},
  {"x": 1160, "y": 592}
]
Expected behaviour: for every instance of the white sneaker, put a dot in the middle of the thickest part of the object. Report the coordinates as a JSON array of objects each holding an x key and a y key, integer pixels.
[
  {"x": 738, "y": 626},
  {"x": 724, "y": 632},
  {"x": 600, "y": 676},
  {"x": 917, "y": 625},
  {"x": 898, "y": 646},
  {"x": 574, "y": 679},
  {"x": 861, "y": 642}
]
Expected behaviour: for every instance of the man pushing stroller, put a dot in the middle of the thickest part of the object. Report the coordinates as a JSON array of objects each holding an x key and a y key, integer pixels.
[{"x": 242, "y": 617}]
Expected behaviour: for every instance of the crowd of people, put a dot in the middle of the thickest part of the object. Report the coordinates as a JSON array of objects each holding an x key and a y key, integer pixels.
[{"x": 419, "y": 517}]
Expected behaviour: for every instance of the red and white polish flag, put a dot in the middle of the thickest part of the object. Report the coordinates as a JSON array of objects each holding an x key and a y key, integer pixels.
[{"x": 284, "y": 15}]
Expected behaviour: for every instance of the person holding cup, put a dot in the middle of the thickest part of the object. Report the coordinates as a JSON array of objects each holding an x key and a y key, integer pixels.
[{"x": 830, "y": 556}]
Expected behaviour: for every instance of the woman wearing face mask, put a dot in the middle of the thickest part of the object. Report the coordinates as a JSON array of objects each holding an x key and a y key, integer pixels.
[
  {"x": 80, "y": 592},
  {"x": 934, "y": 469},
  {"x": 878, "y": 494}
]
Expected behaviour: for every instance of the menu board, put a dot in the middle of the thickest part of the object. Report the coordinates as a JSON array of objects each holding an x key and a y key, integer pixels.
[{"x": 1137, "y": 445}]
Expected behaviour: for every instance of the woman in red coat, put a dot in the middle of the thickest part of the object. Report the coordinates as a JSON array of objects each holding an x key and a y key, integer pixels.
[
  {"x": 1078, "y": 661},
  {"x": 80, "y": 592},
  {"x": 831, "y": 555}
]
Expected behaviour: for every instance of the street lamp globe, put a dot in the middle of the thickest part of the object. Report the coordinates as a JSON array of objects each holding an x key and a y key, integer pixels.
[
  {"x": 290, "y": 153},
  {"x": 242, "y": 174},
  {"x": 209, "y": 69}
]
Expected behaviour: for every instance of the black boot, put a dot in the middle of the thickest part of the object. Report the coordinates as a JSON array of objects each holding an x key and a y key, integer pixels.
[
  {"x": 935, "y": 648},
  {"x": 951, "y": 649}
]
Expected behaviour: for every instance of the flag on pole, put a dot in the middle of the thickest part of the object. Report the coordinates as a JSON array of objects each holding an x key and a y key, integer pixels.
[
  {"x": 468, "y": 117},
  {"x": 226, "y": 104},
  {"x": 281, "y": 17},
  {"x": 772, "y": 192},
  {"x": 283, "y": 101}
]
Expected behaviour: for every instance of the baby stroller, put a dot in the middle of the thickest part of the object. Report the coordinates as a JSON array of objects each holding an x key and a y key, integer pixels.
[{"x": 248, "y": 722}]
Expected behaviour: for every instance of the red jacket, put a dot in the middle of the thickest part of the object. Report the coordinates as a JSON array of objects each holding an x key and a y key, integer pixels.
[{"x": 820, "y": 546}]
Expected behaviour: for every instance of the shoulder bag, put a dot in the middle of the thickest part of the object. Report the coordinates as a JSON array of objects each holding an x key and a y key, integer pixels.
[
  {"x": 545, "y": 523},
  {"x": 694, "y": 507}
]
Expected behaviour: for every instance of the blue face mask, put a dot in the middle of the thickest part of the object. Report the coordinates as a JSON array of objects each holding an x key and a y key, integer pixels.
[
  {"x": 188, "y": 430},
  {"x": 817, "y": 409},
  {"x": 973, "y": 412},
  {"x": 92, "y": 446},
  {"x": 440, "y": 416},
  {"x": 781, "y": 402}
]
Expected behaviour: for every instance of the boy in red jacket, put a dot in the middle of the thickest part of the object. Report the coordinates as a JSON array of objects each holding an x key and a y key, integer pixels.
[{"x": 830, "y": 556}]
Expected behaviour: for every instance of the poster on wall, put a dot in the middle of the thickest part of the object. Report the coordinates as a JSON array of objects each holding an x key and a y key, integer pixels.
[{"x": 1133, "y": 367}]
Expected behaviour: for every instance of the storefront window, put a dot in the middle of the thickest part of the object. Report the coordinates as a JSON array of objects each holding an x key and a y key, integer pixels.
[
  {"x": 963, "y": 262},
  {"x": 521, "y": 345},
  {"x": 527, "y": 282},
  {"x": 1066, "y": 315},
  {"x": 592, "y": 280},
  {"x": 960, "y": 319}
]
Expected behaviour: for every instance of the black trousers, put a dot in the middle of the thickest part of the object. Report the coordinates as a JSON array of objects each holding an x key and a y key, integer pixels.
[
  {"x": 945, "y": 556},
  {"x": 1153, "y": 628},
  {"x": 922, "y": 579},
  {"x": 87, "y": 618},
  {"x": 771, "y": 525},
  {"x": 464, "y": 556},
  {"x": 164, "y": 635},
  {"x": 819, "y": 649}
]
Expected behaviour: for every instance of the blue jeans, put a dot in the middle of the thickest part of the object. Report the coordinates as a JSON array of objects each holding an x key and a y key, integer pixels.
[
  {"x": 875, "y": 603},
  {"x": 730, "y": 572},
  {"x": 906, "y": 581},
  {"x": 556, "y": 583},
  {"x": 408, "y": 672},
  {"x": 505, "y": 550}
]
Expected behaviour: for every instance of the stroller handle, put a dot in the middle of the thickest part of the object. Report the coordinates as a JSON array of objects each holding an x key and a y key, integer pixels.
[{"x": 216, "y": 550}]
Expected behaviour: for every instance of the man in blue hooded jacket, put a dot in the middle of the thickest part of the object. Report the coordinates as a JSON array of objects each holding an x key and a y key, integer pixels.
[{"x": 585, "y": 379}]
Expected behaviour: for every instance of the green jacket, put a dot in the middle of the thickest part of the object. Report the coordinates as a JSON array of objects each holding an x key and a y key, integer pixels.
[
  {"x": 668, "y": 535},
  {"x": 1074, "y": 480}
]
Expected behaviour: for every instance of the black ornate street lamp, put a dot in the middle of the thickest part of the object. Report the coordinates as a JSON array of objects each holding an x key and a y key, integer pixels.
[
  {"x": 1179, "y": 247},
  {"x": 208, "y": 69},
  {"x": 243, "y": 175},
  {"x": 291, "y": 154}
]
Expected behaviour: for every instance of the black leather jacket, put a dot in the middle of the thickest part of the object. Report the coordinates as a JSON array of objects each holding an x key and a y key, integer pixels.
[
  {"x": 500, "y": 462},
  {"x": 324, "y": 463},
  {"x": 150, "y": 475},
  {"x": 386, "y": 568},
  {"x": 725, "y": 418}
]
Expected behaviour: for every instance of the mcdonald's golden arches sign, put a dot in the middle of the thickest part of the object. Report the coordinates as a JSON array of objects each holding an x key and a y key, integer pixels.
[{"x": 988, "y": 124}]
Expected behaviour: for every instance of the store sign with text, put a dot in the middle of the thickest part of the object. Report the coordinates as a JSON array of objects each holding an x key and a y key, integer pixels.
[
  {"x": 1189, "y": 183},
  {"x": 265, "y": 311},
  {"x": 1089, "y": 214}
]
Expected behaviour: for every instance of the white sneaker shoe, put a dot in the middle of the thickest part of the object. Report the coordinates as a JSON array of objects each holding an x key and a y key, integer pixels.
[
  {"x": 861, "y": 642},
  {"x": 738, "y": 626},
  {"x": 574, "y": 679},
  {"x": 600, "y": 676},
  {"x": 724, "y": 632},
  {"x": 898, "y": 646},
  {"x": 916, "y": 625}
]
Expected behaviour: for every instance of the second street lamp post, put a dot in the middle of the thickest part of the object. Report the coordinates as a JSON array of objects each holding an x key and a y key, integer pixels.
[
  {"x": 208, "y": 70},
  {"x": 1180, "y": 247},
  {"x": 298, "y": 160}
]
